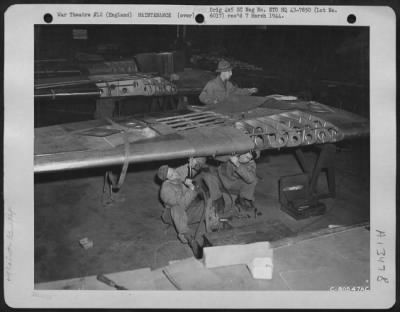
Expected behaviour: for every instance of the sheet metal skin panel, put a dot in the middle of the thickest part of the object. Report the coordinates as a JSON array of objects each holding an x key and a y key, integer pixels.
[
  {"x": 194, "y": 142},
  {"x": 206, "y": 133}
]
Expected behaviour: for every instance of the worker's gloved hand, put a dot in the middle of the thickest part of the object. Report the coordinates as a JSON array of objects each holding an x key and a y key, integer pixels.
[
  {"x": 235, "y": 160},
  {"x": 189, "y": 183},
  {"x": 253, "y": 90},
  {"x": 192, "y": 162}
]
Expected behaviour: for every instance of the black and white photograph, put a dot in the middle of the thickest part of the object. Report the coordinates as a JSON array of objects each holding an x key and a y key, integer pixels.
[
  {"x": 193, "y": 157},
  {"x": 153, "y": 142}
]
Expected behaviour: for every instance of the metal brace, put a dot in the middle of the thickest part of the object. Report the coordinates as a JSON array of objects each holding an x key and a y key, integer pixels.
[{"x": 111, "y": 180}]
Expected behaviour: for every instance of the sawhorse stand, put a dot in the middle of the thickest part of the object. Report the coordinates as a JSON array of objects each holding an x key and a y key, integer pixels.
[
  {"x": 298, "y": 194},
  {"x": 325, "y": 161}
]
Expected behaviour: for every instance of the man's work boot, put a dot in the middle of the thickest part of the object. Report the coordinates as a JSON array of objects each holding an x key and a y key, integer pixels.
[
  {"x": 249, "y": 204},
  {"x": 194, "y": 245},
  {"x": 244, "y": 204}
]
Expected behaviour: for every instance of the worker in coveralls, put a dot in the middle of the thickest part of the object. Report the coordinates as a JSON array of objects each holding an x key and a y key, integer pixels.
[
  {"x": 220, "y": 87},
  {"x": 179, "y": 195},
  {"x": 235, "y": 176}
]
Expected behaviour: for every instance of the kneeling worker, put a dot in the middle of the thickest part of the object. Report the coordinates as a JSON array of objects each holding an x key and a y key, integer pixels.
[
  {"x": 238, "y": 176},
  {"x": 178, "y": 195}
]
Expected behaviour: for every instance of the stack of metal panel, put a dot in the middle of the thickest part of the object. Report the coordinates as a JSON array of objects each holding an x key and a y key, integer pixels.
[{"x": 164, "y": 63}]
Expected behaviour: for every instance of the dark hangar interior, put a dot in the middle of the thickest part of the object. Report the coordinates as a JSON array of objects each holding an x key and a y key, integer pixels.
[{"x": 78, "y": 238}]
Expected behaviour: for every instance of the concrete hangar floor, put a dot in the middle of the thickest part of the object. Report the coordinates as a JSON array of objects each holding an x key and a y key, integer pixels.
[{"x": 129, "y": 235}]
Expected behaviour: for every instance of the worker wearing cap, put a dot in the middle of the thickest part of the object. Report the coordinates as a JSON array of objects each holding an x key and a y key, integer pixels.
[
  {"x": 220, "y": 87},
  {"x": 178, "y": 195},
  {"x": 237, "y": 176}
]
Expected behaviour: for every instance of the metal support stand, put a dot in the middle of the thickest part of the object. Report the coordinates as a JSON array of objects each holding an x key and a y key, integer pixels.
[
  {"x": 164, "y": 103},
  {"x": 181, "y": 102},
  {"x": 110, "y": 189},
  {"x": 298, "y": 194},
  {"x": 156, "y": 104},
  {"x": 105, "y": 108},
  {"x": 110, "y": 179},
  {"x": 325, "y": 161}
]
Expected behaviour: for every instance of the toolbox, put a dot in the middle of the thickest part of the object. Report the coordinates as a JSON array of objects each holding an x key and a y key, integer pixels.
[{"x": 296, "y": 199}]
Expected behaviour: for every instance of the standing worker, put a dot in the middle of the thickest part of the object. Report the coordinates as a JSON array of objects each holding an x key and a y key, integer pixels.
[{"x": 220, "y": 87}]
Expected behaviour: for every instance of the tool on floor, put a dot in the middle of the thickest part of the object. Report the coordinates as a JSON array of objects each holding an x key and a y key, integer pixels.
[
  {"x": 110, "y": 282},
  {"x": 86, "y": 243},
  {"x": 224, "y": 224}
]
